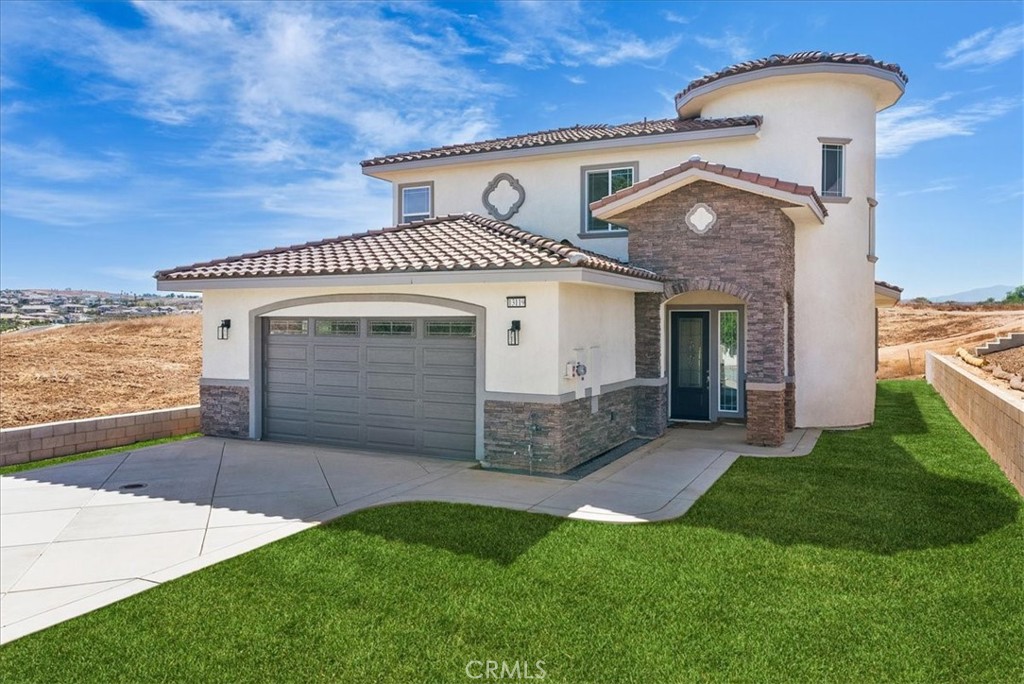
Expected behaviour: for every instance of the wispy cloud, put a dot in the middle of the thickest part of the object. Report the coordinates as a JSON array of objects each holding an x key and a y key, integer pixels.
[
  {"x": 676, "y": 18},
  {"x": 904, "y": 126},
  {"x": 59, "y": 208},
  {"x": 541, "y": 34},
  {"x": 48, "y": 160},
  {"x": 275, "y": 76},
  {"x": 937, "y": 185},
  {"x": 576, "y": 79},
  {"x": 985, "y": 48},
  {"x": 733, "y": 44}
]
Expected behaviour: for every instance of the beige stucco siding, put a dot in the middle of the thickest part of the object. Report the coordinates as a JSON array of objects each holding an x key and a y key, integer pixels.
[{"x": 558, "y": 317}]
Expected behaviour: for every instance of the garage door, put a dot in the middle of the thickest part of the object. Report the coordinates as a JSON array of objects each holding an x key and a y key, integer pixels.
[{"x": 396, "y": 384}]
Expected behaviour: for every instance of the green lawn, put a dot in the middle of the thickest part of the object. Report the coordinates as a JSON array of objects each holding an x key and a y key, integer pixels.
[{"x": 893, "y": 553}]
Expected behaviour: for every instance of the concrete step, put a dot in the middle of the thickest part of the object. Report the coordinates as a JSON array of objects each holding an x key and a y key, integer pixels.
[{"x": 1001, "y": 343}]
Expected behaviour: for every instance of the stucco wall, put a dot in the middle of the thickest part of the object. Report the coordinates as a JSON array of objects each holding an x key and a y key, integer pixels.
[
  {"x": 598, "y": 317},
  {"x": 834, "y": 286}
]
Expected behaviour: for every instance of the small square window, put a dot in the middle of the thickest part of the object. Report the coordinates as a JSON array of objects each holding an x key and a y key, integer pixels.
[
  {"x": 345, "y": 327},
  {"x": 392, "y": 328},
  {"x": 289, "y": 326},
  {"x": 416, "y": 203},
  {"x": 832, "y": 170}
]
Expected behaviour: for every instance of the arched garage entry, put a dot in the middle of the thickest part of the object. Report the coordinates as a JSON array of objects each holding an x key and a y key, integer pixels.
[{"x": 388, "y": 372}]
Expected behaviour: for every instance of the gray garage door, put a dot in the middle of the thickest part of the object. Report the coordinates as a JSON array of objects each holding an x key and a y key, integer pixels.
[{"x": 397, "y": 384}]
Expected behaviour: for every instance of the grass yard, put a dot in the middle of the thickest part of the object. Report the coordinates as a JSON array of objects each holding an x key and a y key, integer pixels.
[{"x": 892, "y": 553}]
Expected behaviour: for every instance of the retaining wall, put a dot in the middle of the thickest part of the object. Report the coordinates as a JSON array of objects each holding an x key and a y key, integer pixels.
[
  {"x": 49, "y": 440},
  {"x": 994, "y": 416}
]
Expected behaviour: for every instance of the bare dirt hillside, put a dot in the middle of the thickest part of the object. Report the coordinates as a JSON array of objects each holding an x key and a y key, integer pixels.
[
  {"x": 99, "y": 369},
  {"x": 905, "y": 333}
]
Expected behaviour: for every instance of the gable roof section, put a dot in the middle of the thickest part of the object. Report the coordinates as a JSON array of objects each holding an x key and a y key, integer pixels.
[
  {"x": 569, "y": 136},
  {"x": 462, "y": 242},
  {"x": 695, "y": 170}
]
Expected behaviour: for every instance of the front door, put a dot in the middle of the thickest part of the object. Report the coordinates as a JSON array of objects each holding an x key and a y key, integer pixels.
[{"x": 690, "y": 369}]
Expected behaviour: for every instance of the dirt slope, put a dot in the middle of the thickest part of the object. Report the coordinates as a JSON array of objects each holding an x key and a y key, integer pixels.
[
  {"x": 99, "y": 369},
  {"x": 904, "y": 334}
]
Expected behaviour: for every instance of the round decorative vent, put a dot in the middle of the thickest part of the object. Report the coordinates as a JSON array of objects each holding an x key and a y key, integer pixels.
[
  {"x": 503, "y": 196},
  {"x": 701, "y": 218}
]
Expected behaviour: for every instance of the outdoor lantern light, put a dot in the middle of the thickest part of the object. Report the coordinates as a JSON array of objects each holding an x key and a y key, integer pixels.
[
  {"x": 222, "y": 329},
  {"x": 513, "y": 334}
]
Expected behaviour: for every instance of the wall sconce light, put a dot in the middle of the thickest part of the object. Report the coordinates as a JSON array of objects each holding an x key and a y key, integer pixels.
[
  {"x": 222, "y": 329},
  {"x": 513, "y": 334}
]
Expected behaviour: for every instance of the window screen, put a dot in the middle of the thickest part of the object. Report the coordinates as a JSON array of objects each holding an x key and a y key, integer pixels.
[{"x": 832, "y": 170}]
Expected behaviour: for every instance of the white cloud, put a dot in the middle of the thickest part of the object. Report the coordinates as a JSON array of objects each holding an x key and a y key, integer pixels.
[
  {"x": 985, "y": 48},
  {"x": 59, "y": 208},
  {"x": 901, "y": 127},
  {"x": 676, "y": 18},
  {"x": 49, "y": 161},
  {"x": 938, "y": 185},
  {"x": 537, "y": 35},
  {"x": 279, "y": 79},
  {"x": 576, "y": 79},
  {"x": 736, "y": 46}
]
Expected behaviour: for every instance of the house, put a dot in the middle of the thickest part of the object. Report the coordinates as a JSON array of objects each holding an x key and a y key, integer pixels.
[{"x": 545, "y": 297}]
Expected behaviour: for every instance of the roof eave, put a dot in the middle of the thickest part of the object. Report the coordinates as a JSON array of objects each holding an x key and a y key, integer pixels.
[
  {"x": 690, "y": 103},
  {"x": 383, "y": 169},
  {"x": 577, "y": 274},
  {"x": 886, "y": 297},
  {"x": 806, "y": 208}
]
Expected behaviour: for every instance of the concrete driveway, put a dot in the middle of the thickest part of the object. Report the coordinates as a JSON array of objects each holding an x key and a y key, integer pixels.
[{"x": 79, "y": 536}]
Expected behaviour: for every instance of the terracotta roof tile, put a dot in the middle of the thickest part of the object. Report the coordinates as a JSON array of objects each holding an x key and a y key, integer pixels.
[
  {"x": 717, "y": 169},
  {"x": 888, "y": 285},
  {"x": 566, "y": 136},
  {"x": 797, "y": 58},
  {"x": 463, "y": 242}
]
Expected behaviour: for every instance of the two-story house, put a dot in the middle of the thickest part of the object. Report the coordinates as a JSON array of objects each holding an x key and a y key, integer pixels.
[{"x": 544, "y": 297}]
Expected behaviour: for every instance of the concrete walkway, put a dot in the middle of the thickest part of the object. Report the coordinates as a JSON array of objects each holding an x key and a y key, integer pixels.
[{"x": 80, "y": 536}]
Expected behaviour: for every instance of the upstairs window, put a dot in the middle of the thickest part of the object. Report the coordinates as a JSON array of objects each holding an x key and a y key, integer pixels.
[
  {"x": 416, "y": 202},
  {"x": 833, "y": 167},
  {"x": 598, "y": 183}
]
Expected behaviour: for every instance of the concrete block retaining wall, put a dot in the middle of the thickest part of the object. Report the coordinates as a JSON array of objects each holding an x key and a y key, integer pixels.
[
  {"x": 995, "y": 417},
  {"x": 49, "y": 440}
]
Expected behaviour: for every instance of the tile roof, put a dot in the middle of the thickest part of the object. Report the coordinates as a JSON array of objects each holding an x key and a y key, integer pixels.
[
  {"x": 882, "y": 283},
  {"x": 461, "y": 242},
  {"x": 797, "y": 58},
  {"x": 566, "y": 136},
  {"x": 718, "y": 169}
]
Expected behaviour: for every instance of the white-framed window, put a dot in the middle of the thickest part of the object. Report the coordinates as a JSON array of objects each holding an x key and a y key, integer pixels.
[
  {"x": 833, "y": 170},
  {"x": 598, "y": 183},
  {"x": 728, "y": 361},
  {"x": 415, "y": 202}
]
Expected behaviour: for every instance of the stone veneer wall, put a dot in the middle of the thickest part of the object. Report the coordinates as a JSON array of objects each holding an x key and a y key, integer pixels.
[
  {"x": 651, "y": 401},
  {"x": 749, "y": 253},
  {"x": 49, "y": 440},
  {"x": 224, "y": 410},
  {"x": 562, "y": 435},
  {"x": 995, "y": 417}
]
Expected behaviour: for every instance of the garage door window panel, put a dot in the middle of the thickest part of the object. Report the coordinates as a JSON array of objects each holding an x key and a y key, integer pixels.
[
  {"x": 338, "y": 327},
  {"x": 391, "y": 328}
]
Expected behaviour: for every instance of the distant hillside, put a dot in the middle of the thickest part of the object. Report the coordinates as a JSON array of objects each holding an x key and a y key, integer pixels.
[{"x": 979, "y": 294}]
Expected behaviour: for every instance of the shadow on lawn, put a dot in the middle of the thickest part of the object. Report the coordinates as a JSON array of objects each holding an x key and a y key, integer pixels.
[
  {"x": 864, "y": 490},
  {"x": 491, "y": 534}
]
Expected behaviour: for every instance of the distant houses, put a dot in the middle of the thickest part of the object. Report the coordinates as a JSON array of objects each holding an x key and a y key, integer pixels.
[{"x": 23, "y": 308}]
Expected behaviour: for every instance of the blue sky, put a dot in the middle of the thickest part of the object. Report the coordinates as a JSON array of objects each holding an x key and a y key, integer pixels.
[{"x": 140, "y": 136}]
